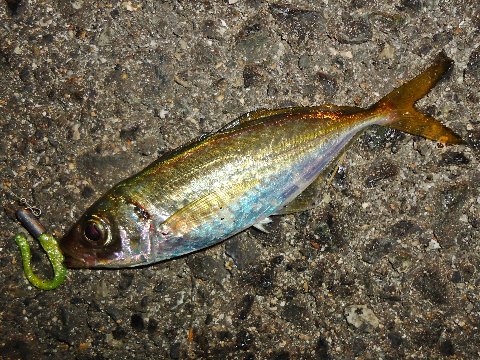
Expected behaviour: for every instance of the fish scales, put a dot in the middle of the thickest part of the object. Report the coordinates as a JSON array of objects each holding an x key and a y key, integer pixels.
[
  {"x": 276, "y": 164},
  {"x": 223, "y": 183}
]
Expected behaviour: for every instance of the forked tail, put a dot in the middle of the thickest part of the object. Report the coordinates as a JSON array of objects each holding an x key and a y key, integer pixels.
[{"x": 399, "y": 104}]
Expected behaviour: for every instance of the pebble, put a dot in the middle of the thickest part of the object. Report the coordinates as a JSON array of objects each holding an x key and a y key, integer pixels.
[
  {"x": 75, "y": 132},
  {"x": 377, "y": 249},
  {"x": 473, "y": 65},
  {"x": 207, "y": 268},
  {"x": 361, "y": 317},
  {"x": 304, "y": 61},
  {"x": 355, "y": 30},
  {"x": 433, "y": 245},
  {"x": 454, "y": 158},
  {"x": 380, "y": 171},
  {"x": 243, "y": 251}
]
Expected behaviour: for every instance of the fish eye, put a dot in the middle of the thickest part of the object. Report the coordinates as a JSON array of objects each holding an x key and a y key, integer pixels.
[{"x": 94, "y": 231}]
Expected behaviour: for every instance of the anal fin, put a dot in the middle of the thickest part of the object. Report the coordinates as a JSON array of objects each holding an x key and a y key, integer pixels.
[
  {"x": 261, "y": 223},
  {"x": 312, "y": 196},
  {"x": 306, "y": 200}
]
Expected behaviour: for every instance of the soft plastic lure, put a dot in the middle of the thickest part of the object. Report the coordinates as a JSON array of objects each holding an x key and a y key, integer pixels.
[{"x": 49, "y": 245}]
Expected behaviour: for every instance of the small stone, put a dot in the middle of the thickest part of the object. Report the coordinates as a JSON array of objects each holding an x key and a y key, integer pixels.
[
  {"x": 388, "y": 52},
  {"x": 129, "y": 134},
  {"x": 473, "y": 65},
  {"x": 381, "y": 171},
  {"x": 77, "y": 4},
  {"x": 447, "y": 348},
  {"x": 412, "y": 4},
  {"x": 404, "y": 228},
  {"x": 304, "y": 61},
  {"x": 75, "y": 132},
  {"x": 244, "y": 340},
  {"x": 137, "y": 323},
  {"x": 377, "y": 249},
  {"x": 328, "y": 83},
  {"x": 14, "y": 5},
  {"x": 246, "y": 306},
  {"x": 114, "y": 312},
  {"x": 456, "y": 277},
  {"x": 321, "y": 349},
  {"x": 433, "y": 245},
  {"x": 242, "y": 250},
  {"x": 361, "y": 317},
  {"x": 119, "y": 333},
  {"x": 130, "y": 7},
  {"x": 52, "y": 142},
  {"x": 454, "y": 158},
  {"x": 395, "y": 339},
  {"x": 355, "y": 30},
  {"x": 152, "y": 325},
  {"x": 252, "y": 74},
  {"x": 272, "y": 90},
  {"x": 207, "y": 268},
  {"x": 87, "y": 192},
  {"x": 24, "y": 74},
  {"x": 126, "y": 281}
]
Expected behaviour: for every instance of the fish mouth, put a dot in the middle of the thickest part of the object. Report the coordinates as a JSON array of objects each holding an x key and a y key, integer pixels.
[
  {"x": 75, "y": 256},
  {"x": 79, "y": 263}
]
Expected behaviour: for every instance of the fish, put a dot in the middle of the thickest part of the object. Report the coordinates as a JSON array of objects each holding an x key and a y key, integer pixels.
[{"x": 264, "y": 163}]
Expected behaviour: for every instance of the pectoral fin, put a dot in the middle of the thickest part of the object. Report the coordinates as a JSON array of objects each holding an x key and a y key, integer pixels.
[
  {"x": 210, "y": 205},
  {"x": 192, "y": 214}
]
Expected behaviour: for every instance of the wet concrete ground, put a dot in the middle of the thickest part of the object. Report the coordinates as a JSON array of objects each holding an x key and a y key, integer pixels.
[{"x": 388, "y": 267}]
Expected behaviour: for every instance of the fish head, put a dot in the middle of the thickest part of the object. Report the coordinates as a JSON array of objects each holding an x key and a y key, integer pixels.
[{"x": 113, "y": 233}]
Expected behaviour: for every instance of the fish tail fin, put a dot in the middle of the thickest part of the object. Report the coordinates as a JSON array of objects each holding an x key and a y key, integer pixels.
[{"x": 399, "y": 104}]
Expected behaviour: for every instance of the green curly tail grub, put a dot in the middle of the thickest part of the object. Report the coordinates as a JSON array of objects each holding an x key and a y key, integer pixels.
[{"x": 50, "y": 245}]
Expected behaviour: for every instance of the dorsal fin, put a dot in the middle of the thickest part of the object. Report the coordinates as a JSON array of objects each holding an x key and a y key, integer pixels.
[{"x": 253, "y": 117}]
